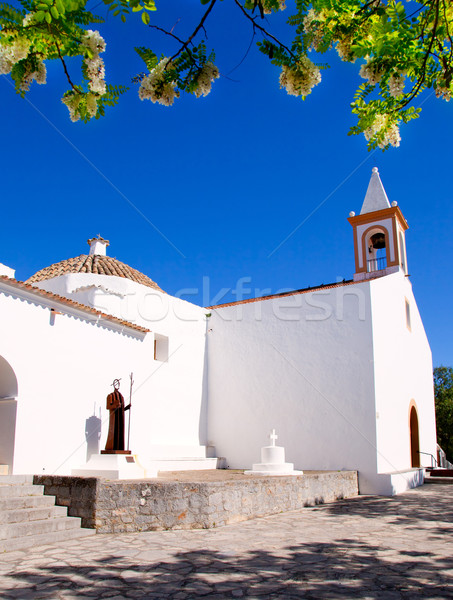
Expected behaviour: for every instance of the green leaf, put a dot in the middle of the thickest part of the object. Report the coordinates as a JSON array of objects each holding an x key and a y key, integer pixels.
[{"x": 145, "y": 18}]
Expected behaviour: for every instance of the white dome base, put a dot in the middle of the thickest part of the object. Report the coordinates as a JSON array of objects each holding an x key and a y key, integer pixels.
[{"x": 273, "y": 458}]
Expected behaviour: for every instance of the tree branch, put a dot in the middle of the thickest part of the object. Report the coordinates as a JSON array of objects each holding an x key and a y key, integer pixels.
[
  {"x": 185, "y": 45},
  {"x": 264, "y": 31},
  {"x": 64, "y": 66},
  {"x": 420, "y": 82},
  {"x": 170, "y": 33}
]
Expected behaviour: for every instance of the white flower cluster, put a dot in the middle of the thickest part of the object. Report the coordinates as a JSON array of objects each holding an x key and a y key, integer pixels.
[
  {"x": 396, "y": 85},
  {"x": 155, "y": 88},
  {"x": 311, "y": 28},
  {"x": 76, "y": 102},
  {"x": 443, "y": 92},
  {"x": 92, "y": 105},
  {"x": 308, "y": 20},
  {"x": 208, "y": 74},
  {"x": 301, "y": 80},
  {"x": 28, "y": 19},
  {"x": 267, "y": 10},
  {"x": 370, "y": 72},
  {"x": 39, "y": 76},
  {"x": 94, "y": 64},
  {"x": 72, "y": 101},
  {"x": 391, "y": 131},
  {"x": 10, "y": 54},
  {"x": 344, "y": 50}
]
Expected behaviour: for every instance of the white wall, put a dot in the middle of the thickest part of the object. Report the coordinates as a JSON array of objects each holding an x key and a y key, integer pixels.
[
  {"x": 403, "y": 367},
  {"x": 177, "y": 388},
  {"x": 302, "y": 364},
  {"x": 65, "y": 365}
]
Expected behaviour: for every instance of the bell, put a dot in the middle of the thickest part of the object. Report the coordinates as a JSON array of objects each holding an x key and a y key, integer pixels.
[{"x": 378, "y": 241}]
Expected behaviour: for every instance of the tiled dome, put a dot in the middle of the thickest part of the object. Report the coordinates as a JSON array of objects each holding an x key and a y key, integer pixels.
[{"x": 97, "y": 264}]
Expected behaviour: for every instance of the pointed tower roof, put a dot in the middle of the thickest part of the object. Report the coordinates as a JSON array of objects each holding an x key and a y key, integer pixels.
[{"x": 376, "y": 198}]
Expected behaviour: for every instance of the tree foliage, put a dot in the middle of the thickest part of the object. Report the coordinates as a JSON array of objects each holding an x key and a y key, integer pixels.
[
  {"x": 399, "y": 48},
  {"x": 443, "y": 393}
]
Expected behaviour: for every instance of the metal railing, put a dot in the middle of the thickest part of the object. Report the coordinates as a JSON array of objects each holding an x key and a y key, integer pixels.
[
  {"x": 376, "y": 264},
  {"x": 433, "y": 460}
]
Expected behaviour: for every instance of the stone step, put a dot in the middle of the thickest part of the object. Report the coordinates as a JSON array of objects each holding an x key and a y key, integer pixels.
[
  {"x": 444, "y": 480},
  {"x": 29, "y": 541},
  {"x": 16, "y": 502},
  {"x": 22, "y": 515},
  {"x": 17, "y": 530},
  {"x": 9, "y": 490},
  {"x": 16, "y": 479}
]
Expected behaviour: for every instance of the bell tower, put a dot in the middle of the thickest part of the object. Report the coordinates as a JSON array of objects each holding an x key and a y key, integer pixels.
[{"x": 379, "y": 234}]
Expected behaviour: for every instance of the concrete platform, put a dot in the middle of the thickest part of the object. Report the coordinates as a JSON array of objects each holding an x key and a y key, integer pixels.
[{"x": 192, "y": 499}]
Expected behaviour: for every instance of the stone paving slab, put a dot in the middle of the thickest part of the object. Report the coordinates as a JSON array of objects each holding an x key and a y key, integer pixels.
[{"x": 366, "y": 547}]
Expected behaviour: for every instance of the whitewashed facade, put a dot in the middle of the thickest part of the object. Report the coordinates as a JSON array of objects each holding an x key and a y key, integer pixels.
[{"x": 342, "y": 372}]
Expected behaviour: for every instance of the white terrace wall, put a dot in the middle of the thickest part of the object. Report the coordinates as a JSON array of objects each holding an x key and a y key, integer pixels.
[
  {"x": 178, "y": 392},
  {"x": 64, "y": 366},
  {"x": 403, "y": 368},
  {"x": 301, "y": 364}
]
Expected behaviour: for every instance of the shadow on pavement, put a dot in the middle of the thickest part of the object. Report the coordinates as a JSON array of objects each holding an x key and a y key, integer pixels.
[
  {"x": 434, "y": 509},
  {"x": 344, "y": 569}
]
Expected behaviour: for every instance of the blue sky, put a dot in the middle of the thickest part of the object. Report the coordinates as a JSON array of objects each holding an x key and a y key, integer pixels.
[{"x": 212, "y": 187}]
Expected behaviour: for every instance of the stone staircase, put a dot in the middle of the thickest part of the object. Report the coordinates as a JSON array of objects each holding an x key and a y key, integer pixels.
[{"x": 28, "y": 518}]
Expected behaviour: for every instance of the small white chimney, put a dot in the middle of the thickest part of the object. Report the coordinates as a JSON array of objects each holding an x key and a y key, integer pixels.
[
  {"x": 7, "y": 271},
  {"x": 98, "y": 246}
]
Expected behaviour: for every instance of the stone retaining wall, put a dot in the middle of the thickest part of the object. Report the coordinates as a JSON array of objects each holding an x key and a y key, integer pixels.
[{"x": 147, "y": 505}]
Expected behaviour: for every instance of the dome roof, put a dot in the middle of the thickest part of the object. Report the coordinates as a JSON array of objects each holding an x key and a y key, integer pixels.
[{"x": 95, "y": 264}]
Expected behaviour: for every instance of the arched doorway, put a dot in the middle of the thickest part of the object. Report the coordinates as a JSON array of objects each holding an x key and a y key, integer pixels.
[
  {"x": 8, "y": 409},
  {"x": 415, "y": 441}
]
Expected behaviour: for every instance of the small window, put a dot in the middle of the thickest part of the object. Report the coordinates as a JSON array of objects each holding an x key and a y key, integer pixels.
[
  {"x": 160, "y": 347},
  {"x": 408, "y": 315}
]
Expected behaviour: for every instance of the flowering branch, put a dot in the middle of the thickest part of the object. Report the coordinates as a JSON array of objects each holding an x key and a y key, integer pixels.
[{"x": 393, "y": 46}]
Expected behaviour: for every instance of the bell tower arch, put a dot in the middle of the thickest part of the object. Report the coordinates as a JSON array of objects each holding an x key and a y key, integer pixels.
[{"x": 379, "y": 234}]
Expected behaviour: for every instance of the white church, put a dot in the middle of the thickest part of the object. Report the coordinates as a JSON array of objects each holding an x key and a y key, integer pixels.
[{"x": 343, "y": 372}]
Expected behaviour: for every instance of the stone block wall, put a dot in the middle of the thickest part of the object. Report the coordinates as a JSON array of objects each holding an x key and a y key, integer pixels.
[
  {"x": 147, "y": 505},
  {"x": 79, "y": 494}
]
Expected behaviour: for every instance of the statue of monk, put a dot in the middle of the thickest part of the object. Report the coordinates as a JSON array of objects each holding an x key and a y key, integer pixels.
[{"x": 115, "y": 404}]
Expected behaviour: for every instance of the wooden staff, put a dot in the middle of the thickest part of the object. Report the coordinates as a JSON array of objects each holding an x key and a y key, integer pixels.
[{"x": 130, "y": 406}]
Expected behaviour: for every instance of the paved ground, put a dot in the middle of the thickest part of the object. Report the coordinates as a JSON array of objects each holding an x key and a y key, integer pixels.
[{"x": 366, "y": 548}]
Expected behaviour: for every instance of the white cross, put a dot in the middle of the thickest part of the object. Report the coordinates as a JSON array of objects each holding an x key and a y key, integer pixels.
[{"x": 273, "y": 437}]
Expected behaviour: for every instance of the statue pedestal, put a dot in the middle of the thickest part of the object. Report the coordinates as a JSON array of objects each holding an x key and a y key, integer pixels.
[
  {"x": 113, "y": 466},
  {"x": 273, "y": 463}
]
